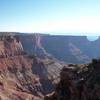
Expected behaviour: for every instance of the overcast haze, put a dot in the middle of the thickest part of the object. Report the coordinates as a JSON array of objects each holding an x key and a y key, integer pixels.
[{"x": 77, "y": 17}]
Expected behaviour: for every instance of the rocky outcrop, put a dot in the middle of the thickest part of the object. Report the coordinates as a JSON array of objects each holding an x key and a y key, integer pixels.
[
  {"x": 75, "y": 85},
  {"x": 10, "y": 46},
  {"x": 65, "y": 89}
]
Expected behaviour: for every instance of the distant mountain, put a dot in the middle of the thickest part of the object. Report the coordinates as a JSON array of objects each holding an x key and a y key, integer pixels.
[{"x": 70, "y": 49}]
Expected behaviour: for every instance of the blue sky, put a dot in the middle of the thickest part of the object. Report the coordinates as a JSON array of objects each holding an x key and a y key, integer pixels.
[{"x": 77, "y": 17}]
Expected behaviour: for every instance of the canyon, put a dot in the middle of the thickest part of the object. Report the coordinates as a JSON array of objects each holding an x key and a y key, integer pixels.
[{"x": 33, "y": 66}]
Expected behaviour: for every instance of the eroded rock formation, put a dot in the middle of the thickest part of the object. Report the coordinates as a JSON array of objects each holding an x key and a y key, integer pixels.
[
  {"x": 17, "y": 82},
  {"x": 75, "y": 85},
  {"x": 24, "y": 76}
]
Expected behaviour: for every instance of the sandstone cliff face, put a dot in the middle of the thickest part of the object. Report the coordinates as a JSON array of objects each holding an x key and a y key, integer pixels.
[
  {"x": 32, "y": 44},
  {"x": 17, "y": 82},
  {"x": 16, "y": 79},
  {"x": 24, "y": 76},
  {"x": 10, "y": 46}
]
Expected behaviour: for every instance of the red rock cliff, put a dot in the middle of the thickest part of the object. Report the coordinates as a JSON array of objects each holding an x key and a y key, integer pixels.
[{"x": 17, "y": 81}]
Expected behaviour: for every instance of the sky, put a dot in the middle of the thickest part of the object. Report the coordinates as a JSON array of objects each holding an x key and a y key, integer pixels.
[{"x": 69, "y": 17}]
